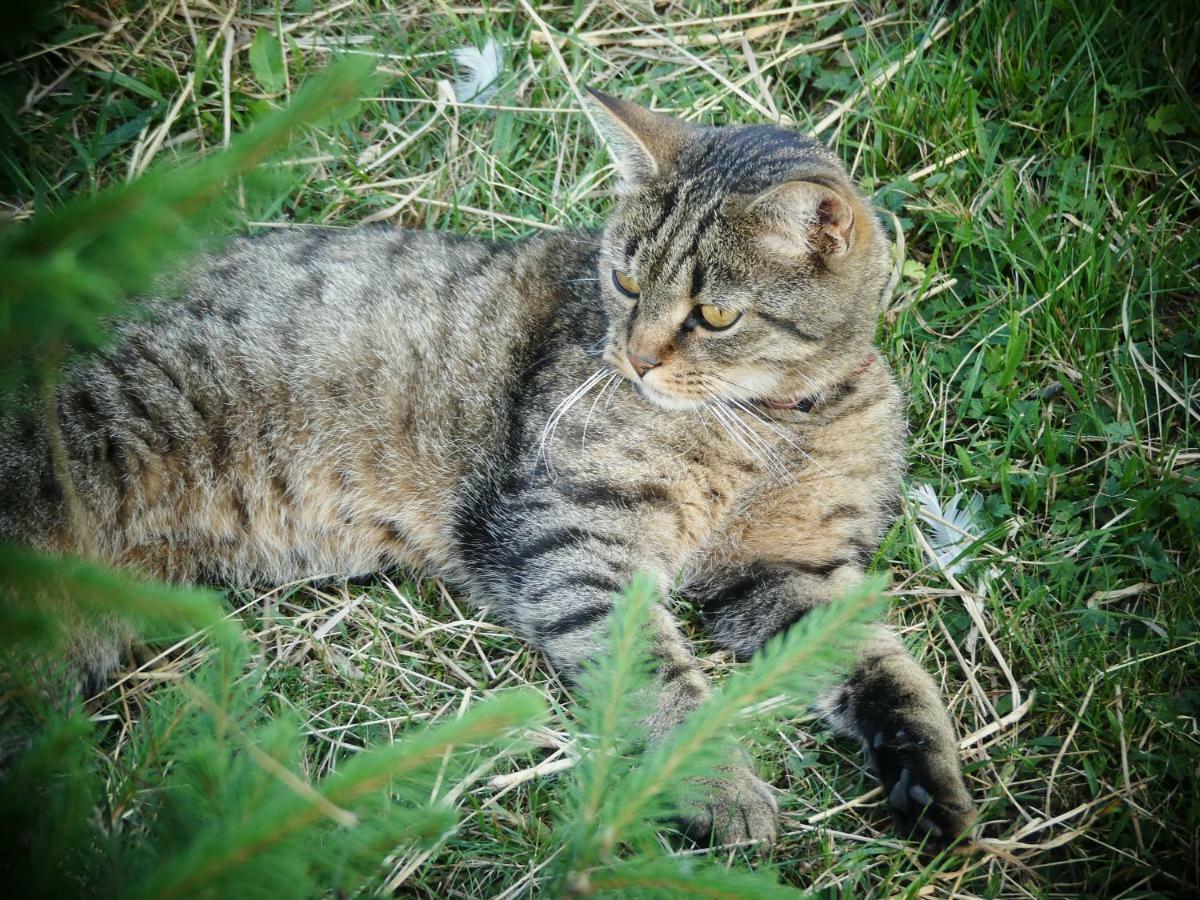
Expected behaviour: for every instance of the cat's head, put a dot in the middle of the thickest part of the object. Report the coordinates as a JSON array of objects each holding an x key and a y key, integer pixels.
[{"x": 739, "y": 262}]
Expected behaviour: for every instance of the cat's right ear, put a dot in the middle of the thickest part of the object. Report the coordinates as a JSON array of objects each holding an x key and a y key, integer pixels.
[
  {"x": 805, "y": 216},
  {"x": 643, "y": 144}
]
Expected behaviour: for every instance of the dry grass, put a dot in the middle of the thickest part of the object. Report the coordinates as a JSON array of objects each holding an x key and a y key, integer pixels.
[{"x": 1068, "y": 652}]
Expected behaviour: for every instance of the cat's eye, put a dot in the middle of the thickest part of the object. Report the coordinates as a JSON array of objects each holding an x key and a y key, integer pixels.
[
  {"x": 716, "y": 317},
  {"x": 625, "y": 284}
]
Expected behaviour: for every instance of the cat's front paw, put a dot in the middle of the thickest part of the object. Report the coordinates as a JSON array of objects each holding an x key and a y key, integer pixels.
[
  {"x": 735, "y": 808},
  {"x": 924, "y": 785}
]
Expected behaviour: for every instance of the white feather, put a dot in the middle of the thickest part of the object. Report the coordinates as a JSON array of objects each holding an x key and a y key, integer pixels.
[
  {"x": 478, "y": 72},
  {"x": 951, "y": 528}
]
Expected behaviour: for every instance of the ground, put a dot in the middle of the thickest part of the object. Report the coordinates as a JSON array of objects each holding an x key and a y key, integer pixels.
[{"x": 1036, "y": 165}]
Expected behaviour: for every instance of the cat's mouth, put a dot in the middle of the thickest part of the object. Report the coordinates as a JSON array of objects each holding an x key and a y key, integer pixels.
[
  {"x": 660, "y": 390},
  {"x": 673, "y": 402},
  {"x": 692, "y": 389},
  {"x": 648, "y": 388}
]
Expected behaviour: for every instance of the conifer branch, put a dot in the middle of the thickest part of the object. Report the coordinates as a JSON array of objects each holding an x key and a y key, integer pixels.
[
  {"x": 799, "y": 663},
  {"x": 681, "y": 877},
  {"x": 216, "y": 855}
]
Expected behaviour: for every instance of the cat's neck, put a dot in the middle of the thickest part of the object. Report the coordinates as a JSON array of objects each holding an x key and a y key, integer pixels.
[{"x": 840, "y": 385}]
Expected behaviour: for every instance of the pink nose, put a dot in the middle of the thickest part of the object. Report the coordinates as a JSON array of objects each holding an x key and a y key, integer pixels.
[{"x": 641, "y": 364}]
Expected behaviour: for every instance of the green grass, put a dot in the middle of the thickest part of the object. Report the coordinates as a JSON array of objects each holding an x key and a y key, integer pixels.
[{"x": 1040, "y": 163}]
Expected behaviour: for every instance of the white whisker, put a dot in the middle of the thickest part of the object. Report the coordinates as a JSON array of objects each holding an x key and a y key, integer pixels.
[
  {"x": 592, "y": 409},
  {"x": 757, "y": 415},
  {"x": 732, "y": 434},
  {"x": 616, "y": 386},
  {"x": 561, "y": 410},
  {"x": 775, "y": 429},
  {"x": 765, "y": 452},
  {"x": 810, "y": 385},
  {"x": 752, "y": 443}
]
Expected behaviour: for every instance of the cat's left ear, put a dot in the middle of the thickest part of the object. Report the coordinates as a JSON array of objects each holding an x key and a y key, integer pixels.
[
  {"x": 643, "y": 144},
  {"x": 806, "y": 216}
]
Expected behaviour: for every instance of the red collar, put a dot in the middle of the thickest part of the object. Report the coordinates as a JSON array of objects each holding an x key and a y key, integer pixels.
[{"x": 805, "y": 404}]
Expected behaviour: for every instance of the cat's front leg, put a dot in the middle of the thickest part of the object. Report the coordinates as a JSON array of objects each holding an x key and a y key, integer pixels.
[
  {"x": 559, "y": 571},
  {"x": 894, "y": 706},
  {"x": 568, "y": 613},
  {"x": 889, "y": 701}
]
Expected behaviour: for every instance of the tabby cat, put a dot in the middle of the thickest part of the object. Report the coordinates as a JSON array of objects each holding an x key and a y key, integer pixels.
[{"x": 691, "y": 393}]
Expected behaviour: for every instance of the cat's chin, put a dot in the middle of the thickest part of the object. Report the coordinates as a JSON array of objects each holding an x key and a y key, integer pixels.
[{"x": 667, "y": 401}]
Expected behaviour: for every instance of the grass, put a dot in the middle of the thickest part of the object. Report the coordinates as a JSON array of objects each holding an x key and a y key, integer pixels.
[{"x": 1038, "y": 166}]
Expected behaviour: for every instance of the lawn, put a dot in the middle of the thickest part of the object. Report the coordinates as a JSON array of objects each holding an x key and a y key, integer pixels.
[{"x": 1036, "y": 166}]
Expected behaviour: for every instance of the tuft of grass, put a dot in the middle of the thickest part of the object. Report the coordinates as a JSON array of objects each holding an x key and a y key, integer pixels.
[{"x": 1037, "y": 165}]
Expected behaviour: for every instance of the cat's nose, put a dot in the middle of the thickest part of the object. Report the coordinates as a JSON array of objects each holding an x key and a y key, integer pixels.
[{"x": 641, "y": 364}]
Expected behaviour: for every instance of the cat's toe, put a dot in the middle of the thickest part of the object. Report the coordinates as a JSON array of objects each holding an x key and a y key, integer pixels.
[
  {"x": 736, "y": 808},
  {"x": 939, "y": 814},
  {"x": 924, "y": 786}
]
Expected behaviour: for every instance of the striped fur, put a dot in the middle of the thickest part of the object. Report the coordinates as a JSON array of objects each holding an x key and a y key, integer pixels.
[{"x": 335, "y": 402}]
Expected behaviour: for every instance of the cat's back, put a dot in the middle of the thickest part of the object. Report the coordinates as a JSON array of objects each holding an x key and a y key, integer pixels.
[
  {"x": 305, "y": 291},
  {"x": 316, "y": 389}
]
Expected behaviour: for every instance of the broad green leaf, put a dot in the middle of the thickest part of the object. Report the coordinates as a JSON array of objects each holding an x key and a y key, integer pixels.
[{"x": 266, "y": 60}]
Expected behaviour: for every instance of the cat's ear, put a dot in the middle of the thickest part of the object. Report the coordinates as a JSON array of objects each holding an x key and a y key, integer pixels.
[
  {"x": 643, "y": 144},
  {"x": 797, "y": 219}
]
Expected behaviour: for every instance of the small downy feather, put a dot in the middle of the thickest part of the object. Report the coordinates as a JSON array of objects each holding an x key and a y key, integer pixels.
[
  {"x": 951, "y": 528},
  {"x": 478, "y": 72}
]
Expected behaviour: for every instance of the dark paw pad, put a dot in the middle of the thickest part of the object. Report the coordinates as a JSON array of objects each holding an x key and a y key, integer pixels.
[{"x": 924, "y": 787}]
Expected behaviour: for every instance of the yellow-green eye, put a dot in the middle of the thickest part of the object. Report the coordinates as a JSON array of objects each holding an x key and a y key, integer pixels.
[
  {"x": 715, "y": 317},
  {"x": 625, "y": 284}
]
